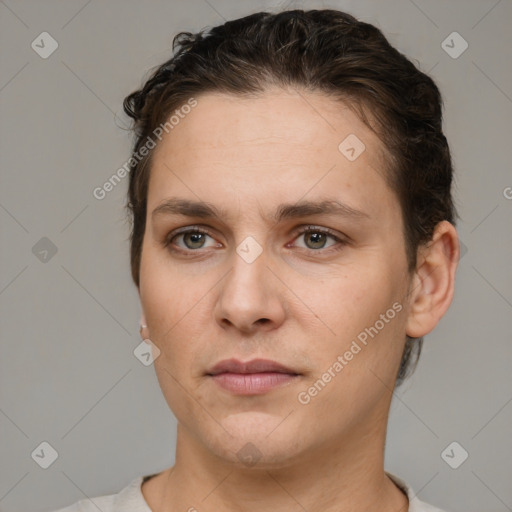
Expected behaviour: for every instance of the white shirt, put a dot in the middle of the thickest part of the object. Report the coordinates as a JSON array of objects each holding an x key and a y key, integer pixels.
[{"x": 131, "y": 499}]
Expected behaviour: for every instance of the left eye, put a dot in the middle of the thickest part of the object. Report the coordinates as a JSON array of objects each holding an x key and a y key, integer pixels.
[{"x": 316, "y": 239}]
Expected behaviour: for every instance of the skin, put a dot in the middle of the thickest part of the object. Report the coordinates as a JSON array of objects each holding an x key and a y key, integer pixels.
[{"x": 300, "y": 303}]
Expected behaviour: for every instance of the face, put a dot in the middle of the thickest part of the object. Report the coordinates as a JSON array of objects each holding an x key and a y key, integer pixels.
[{"x": 304, "y": 266}]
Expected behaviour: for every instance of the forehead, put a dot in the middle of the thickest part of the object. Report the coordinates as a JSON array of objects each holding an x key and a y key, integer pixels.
[
  {"x": 288, "y": 142},
  {"x": 310, "y": 119}
]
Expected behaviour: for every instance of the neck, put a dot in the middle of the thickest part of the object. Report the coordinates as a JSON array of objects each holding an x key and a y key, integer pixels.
[{"x": 337, "y": 475}]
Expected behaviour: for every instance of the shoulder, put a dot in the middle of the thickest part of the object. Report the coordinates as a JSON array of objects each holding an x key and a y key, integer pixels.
[
  {"x": 128, "y": 499},
  {"x": 415, "y": 504}
]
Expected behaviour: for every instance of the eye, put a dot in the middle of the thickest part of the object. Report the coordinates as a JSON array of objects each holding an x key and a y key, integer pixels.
[
  {"x": 316, "y": 238},
  {"x": 190, "y": 238}
]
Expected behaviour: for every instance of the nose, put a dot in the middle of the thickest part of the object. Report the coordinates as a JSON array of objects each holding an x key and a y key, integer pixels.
[{"x": 250, "y": 298}]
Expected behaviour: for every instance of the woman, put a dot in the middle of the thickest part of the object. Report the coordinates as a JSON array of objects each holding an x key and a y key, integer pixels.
[{"x": 293, "y": 240}]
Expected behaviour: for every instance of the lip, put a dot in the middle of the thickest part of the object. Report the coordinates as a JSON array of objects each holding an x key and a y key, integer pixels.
[
  {"x": 252, "y": 366},
  {"x": 253, "y": 377}
]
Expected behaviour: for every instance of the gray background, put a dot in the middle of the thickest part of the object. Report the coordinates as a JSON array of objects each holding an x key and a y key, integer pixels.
[{"x": 69, "y": 324}]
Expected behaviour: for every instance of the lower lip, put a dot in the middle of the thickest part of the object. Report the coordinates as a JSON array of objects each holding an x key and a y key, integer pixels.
[{"x": 252, "y": 383}]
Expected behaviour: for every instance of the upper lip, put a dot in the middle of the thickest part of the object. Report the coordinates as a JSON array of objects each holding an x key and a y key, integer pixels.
[{"x": 253, "y": 366}]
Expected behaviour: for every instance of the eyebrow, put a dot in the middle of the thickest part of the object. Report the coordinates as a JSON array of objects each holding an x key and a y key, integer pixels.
[{"x": 203, "y": 210}]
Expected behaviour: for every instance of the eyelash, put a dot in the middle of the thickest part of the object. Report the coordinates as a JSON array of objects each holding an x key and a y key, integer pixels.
[{"x": 308, "y": 229}]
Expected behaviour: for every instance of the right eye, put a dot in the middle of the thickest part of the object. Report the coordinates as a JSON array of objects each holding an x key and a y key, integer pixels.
[{"x": 191, "y": 239}]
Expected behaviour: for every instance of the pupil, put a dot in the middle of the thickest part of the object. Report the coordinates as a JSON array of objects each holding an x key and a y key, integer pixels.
[
  {"x": 195, "y": 238},
  {"x": 318, "y": 239}
]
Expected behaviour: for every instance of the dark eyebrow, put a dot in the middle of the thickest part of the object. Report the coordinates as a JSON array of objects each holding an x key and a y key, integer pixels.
[
  {"x": 326, "y": 207},
  {"x": 188, "y": 208}
]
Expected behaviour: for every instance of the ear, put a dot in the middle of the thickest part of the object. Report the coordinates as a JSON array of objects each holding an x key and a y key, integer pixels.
[{"x": 433, "y": 284}]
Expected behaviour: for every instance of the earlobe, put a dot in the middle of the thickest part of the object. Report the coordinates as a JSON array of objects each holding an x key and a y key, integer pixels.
[
  {"x": 434, "y": 280},
  {"x": 143, "y": 328}
]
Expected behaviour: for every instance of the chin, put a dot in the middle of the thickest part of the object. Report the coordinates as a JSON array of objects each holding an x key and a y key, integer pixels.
[
  {"x": 259, "y": 455},
  {"x": 257, "y": 441}
]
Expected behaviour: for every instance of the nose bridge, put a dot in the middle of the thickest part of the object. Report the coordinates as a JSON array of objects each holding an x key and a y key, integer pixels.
[
  {"x": 247, "y": 277},
  {"x": 248, "y": 293}
]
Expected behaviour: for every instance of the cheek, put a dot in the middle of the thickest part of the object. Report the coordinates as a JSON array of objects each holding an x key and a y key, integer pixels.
[
  {"x": 164, "y": 291},
  {"x": 364, "y": 309},
  {"x": 178, "y": 310},
  {"x": 164, "y": 300},
  {"x": 348, "y": 301}
]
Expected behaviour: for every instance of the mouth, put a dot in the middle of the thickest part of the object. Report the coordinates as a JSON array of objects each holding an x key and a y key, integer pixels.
[{"x": 254, "y": 377}]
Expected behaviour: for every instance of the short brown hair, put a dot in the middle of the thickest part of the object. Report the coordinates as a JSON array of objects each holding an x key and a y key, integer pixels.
[{"x": 319, "y": 50}]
